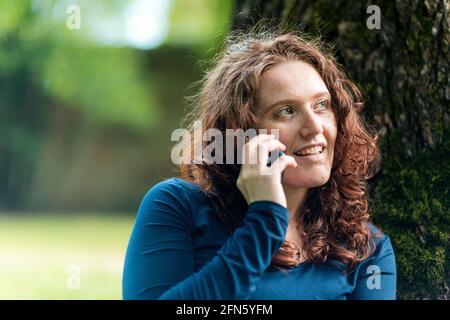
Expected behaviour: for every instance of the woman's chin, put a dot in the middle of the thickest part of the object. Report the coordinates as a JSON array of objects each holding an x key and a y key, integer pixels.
[{"x": 311, "y": 180}]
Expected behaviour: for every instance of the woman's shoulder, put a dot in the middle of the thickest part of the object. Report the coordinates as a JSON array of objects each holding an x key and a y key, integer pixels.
[
  {"x": 174, "y": 201},
  {"x": 177, "y": 193},
  {"x": 175, "y": 188},
  {"x": 380, "y": 240},
  {"x": 376, "y": 233},
  {"x": 175, "y": 184}
]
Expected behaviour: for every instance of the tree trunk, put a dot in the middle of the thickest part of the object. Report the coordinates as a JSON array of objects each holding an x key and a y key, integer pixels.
[{"x": 403, "y": 70}]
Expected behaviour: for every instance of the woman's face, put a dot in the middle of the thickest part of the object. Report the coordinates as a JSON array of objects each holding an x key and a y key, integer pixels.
[{"x": 294, "y": 99}]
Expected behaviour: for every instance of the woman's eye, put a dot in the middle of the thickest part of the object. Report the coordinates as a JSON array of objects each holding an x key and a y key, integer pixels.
[
  {"x": 285, "y": 112},
  {"x": 322, "y": 105}
]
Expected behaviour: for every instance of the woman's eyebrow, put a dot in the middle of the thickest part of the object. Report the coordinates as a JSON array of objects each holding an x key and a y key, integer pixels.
[{"x": 324, "y": 94}]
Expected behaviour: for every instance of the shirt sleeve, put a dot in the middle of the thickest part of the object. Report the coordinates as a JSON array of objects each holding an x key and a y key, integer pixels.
[
  {"x": 159, "y": 263},
  {"x": 377, "y": 276}
]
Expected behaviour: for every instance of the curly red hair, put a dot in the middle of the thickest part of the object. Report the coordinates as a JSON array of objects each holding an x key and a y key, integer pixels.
[{"x": 335, "y": 220}]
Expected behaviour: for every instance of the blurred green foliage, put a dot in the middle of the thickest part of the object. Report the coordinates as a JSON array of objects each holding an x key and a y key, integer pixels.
[
  {"x": 85, "y": 124},
  {"x": 67, "y": 67},
  {"x": 199, "y": 23},
  {"x": 67, "y": 94}
]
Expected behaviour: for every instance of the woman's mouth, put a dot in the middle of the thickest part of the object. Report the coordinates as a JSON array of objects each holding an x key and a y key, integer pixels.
[
  {"x": 310, "y": 151},
  {"x": 313, "y": 154}
]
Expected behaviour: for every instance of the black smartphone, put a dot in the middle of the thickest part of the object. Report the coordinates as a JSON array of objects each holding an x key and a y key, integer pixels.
[{"x": 274, "y": 155}]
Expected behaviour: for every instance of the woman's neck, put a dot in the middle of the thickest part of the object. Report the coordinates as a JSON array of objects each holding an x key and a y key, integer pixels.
[{"x": 295, "y": 198}]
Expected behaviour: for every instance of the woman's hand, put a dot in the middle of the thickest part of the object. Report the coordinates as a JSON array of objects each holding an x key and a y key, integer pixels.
[{"x": 256, "y": 180}]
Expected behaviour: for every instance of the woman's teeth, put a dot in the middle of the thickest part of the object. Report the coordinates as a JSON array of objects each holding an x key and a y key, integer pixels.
[{"x": 309, "y": 151}]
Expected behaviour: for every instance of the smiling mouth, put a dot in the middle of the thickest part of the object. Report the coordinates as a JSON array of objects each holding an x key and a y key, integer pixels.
[{"x": 310, "y": 151}]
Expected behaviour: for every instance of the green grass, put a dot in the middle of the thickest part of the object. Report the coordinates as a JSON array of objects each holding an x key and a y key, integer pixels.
[{"x": 37, "y": 253}]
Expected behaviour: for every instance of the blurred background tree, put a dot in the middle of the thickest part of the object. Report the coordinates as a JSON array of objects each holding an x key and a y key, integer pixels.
[{"x": 403, "y": 70}]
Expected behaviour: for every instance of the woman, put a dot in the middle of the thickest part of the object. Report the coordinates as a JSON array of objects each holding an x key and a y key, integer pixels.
[{"x": 228, "y": 231}]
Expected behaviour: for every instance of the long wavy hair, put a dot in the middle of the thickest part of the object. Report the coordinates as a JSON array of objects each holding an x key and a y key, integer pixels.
[{"x": 335, "y": 216}]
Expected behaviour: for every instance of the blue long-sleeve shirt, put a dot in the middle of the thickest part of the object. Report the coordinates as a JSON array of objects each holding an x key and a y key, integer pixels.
[{"x": 179, "y": 249}]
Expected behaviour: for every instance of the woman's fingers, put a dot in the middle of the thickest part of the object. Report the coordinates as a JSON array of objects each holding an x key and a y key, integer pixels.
[
  {"x": 258, "y": 148},
  {"x": 266, "y": 147},
  {"x": 283, "y": 162},
  {"x": 256, "y": 180},
  {"x": 250, "y": 149},
  {"x": 257, "y": 151}
]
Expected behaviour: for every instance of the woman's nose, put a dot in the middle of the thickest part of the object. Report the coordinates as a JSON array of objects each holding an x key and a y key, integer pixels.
[{"x": 311, "y": 125}]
